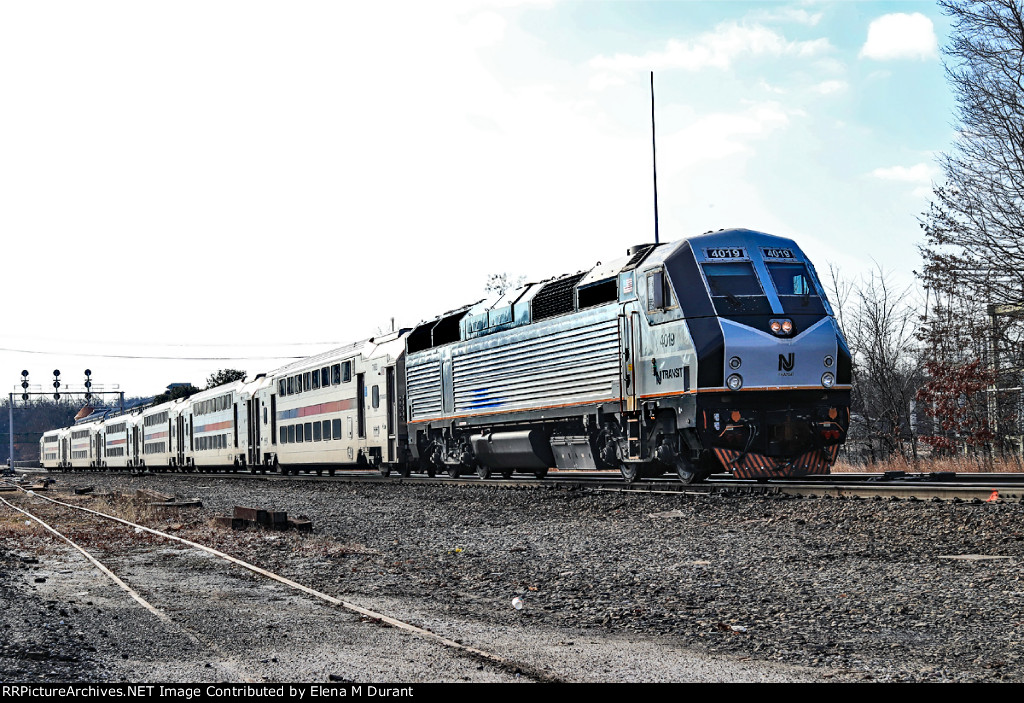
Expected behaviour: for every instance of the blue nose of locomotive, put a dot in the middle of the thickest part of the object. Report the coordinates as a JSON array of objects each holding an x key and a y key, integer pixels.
[{"x": 773, "y": 367}]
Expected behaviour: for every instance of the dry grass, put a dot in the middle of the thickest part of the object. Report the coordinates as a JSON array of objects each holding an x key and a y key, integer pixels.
[{"x": 959, "y": 464}]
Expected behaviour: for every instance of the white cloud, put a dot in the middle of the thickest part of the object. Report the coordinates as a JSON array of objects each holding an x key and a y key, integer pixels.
[
  {"x": 728, "y": 42},
  {"x": 768, "y": 87},
  {"x": 901, "y": 36},
  {"x": 918, "y": 173},
  {"x": 829, "y": 87},
  {"x": 787, "y": 14}
]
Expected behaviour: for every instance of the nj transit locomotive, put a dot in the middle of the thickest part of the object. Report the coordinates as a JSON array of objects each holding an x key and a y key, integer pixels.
[{"x": 714, "y": 353}]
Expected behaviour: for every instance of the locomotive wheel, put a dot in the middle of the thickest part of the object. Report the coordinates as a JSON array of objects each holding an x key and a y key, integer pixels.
[
  {"x": 404, "y": 471},
  {"x": 431, "y": 471},
  {"x": 630, "y": 471},
  {"x": 330, "y": 472},
  {"x": 541, "y": 473},
  {"x": 385, "y": 470},
  {"x": 687, "y": 475},
  {"x": 319, "y": 472},
  {"x": 455, "y": 471},
  {"x": 507, "y": 474},
  {"x": 484, "y": 472}
]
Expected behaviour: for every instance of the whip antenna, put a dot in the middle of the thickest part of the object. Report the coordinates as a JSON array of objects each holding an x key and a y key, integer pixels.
[{"x": 654, "y": 157}]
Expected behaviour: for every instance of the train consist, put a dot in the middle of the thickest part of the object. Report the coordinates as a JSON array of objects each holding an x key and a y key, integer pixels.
[{"x": 714, "y": 353}]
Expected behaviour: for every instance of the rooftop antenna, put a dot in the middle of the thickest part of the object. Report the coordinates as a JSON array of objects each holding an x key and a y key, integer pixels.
[{"x": 654, "y": 156}]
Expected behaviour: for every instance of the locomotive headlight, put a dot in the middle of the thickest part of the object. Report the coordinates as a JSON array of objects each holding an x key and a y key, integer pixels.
[
  {"x": 781, "y": 327},
  {"x": 827, "y": 379},
  {"x": 829, "y": 361},
  {"x": 787, "y": 326},
  {"x": 776, "y": 326},
  {"x": 735, "y": 362},
  {"x": 735, "y": 382}
]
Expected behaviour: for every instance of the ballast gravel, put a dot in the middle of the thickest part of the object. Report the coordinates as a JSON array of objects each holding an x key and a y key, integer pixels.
[{"x": 612, "y": 587}]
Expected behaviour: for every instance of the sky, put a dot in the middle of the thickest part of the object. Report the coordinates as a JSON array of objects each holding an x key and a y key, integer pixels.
[{"x": 192, "y": 186}]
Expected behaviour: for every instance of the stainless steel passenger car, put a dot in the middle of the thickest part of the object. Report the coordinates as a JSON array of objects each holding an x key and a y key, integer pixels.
[
  {"x": 120, "y": 440},
  {"x": 162, "y": 428},
  {"x": 213, "y": 435},
  {"x": 338, "y": 409},
  {"x": 54, "y": 449},
  {"x": 86, "y": 445}
]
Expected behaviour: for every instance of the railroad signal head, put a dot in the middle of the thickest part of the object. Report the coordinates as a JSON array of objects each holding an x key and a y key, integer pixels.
[
  {"x": 24, "y": 396},
  {"x": 24, "y": 373},
  {"x": 24, "y": 384},
  {"x": 56, "y": 396}
]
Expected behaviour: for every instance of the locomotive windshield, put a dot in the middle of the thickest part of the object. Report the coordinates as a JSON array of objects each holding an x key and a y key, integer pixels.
[
  {"x": 732, "y": 279},
  {"x": 795, "y": 288}
]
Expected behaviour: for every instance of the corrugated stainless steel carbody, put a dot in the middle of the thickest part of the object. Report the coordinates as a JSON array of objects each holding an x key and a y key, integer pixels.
[{"x": 570, "y": 360}]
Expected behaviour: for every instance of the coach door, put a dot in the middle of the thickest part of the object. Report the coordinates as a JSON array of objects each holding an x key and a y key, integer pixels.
[
  {"x": 360, "y": 406},
  {"x": 392, "y": 401},
  {"x": 252, "y": 411},
  {"x": 135, "y": 445},
  {"x": 181, "y": 440}
]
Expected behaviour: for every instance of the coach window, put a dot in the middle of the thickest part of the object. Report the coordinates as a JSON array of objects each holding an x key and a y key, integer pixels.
[
  {"x": 298, "y": 383},
  {"x": 309, "y": 432},
  {"x": 290, "y": 386},
  {"x": 375, "y": 396},
  {"x": 299, "y": 436},
  {"x": 336, "y": 429},
  {"x": 336, "y": 374},
  {"x": 306, "y": 385},
  {"x": 325, "y": 377},
  {"x": 346, "y": 371},
  {"x": 291, "y": 434},
  {"x": 327, "y": 429},
  {"x": 316, "y": 432},
  {"x": 284, "y": 435},
  {"x": 316, "y": 380}
]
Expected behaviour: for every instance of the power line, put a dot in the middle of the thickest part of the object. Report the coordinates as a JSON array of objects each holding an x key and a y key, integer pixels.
[
  {"x": 157, "y": 358},
  {"x": 180, "y": 344}
]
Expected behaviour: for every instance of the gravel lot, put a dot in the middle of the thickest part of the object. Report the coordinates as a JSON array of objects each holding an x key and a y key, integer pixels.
[{"x": 616, "y": 587}]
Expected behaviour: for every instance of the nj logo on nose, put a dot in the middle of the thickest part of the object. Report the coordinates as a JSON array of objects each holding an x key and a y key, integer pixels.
[{"x": 786, "y": 362}]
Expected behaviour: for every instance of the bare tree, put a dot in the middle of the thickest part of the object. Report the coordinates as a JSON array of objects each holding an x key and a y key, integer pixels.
[
  {"x": 881, "y": 328},
  {"x": 974, "y": 250},
  {"x": 501, "y": 282},
  {"x": 975, "y": 224}
]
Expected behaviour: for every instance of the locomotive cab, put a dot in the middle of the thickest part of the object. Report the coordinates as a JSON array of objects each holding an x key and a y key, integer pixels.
[{"x": 773, "y": 387}]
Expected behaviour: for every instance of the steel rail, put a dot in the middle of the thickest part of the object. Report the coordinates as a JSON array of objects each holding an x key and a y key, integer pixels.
[
  {"x": 231, "y": 667},
  {"x": 372, "y": 615}
]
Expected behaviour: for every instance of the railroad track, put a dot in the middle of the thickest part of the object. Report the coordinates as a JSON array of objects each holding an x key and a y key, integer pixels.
[
  {"x": 110, "y": 547},
  {"x": 1007, "y": 487}
]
